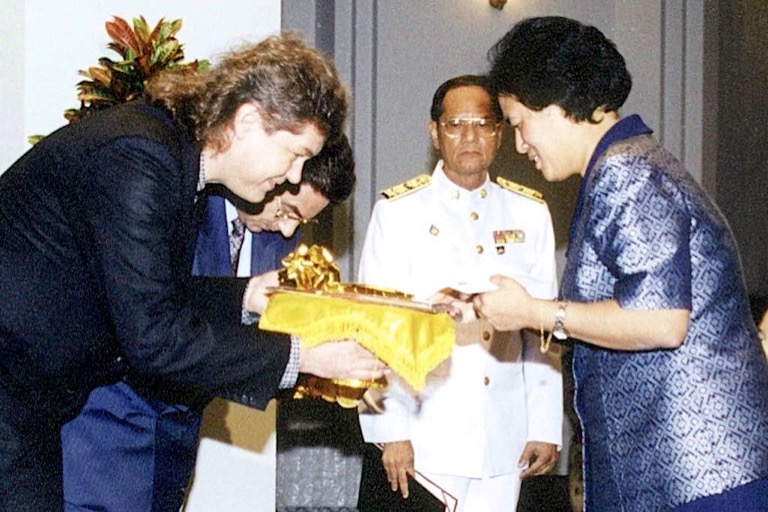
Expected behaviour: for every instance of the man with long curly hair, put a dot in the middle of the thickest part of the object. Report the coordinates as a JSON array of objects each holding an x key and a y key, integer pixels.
[{"x": 97, "y": 234}]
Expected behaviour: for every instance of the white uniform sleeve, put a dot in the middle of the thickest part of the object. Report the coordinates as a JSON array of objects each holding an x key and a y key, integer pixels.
[{"x": 383, "y": 263}]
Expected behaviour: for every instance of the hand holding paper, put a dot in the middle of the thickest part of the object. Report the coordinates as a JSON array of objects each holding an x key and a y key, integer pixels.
[
  {"x": 458, "y": 306},
  {"x": 473, "y": 286},
  {"x": 456, "y": 298},
  {"x": 508, "y": 308}
]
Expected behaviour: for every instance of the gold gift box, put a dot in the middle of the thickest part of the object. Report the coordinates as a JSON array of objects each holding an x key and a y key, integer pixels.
[{"x": 411, "y": 337}]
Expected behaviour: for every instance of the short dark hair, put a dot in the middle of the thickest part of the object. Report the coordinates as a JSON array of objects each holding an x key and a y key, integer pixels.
[
  {"x": 463, "y": 81},
  {"x": 555, "y": 60},
  {"x": 332, "y": 171}
]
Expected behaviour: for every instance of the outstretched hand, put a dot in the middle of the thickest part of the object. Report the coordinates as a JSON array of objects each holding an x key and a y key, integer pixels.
[
  {"x": 508, "y": 308},
  {"x": 457, "y": 305},
  {"x": 341, "y": 360},
  {"x": 256, "y": 297}
]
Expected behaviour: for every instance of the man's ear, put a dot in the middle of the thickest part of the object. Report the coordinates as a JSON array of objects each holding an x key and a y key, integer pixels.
[
  {"x": 247, "y": 118},
  {"x": 433, "y": 133}
]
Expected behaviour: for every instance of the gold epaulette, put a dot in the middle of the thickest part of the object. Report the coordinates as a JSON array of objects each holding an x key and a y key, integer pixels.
[
  {"x": 405, "y": 188},
  {"x": 520, "y": 189}
]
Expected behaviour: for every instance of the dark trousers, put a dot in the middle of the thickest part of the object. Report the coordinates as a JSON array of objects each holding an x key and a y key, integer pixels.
[{"x": 30, "y": 455}]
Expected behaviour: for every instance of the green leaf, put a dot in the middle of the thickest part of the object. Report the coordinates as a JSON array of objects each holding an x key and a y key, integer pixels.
[
  {"x": 175, "y": 27},
  {"x": 167, "y": 53},
  {"x": 141, "y": 28},
  {"x": 158, "y": 33}
]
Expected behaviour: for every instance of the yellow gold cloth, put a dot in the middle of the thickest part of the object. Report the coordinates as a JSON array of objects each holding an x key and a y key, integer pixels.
[{"x": 411, "y": 342}]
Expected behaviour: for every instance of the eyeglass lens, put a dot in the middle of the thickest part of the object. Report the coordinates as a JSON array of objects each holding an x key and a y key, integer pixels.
[
  {"x": 455, "y": 126},
  {"x": 280, "y": 214}
]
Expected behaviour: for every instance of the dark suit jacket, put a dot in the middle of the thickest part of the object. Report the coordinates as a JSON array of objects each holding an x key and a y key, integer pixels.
[
  {"x": 97, "y": 235},
  {"x": 212, "y": 250}
]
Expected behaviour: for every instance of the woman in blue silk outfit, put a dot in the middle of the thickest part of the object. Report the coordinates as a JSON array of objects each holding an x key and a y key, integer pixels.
[{"x": 671, "y": 384}]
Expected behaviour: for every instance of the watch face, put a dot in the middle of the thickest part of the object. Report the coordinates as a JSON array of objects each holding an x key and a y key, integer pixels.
[{"x": 561, "y": 335}]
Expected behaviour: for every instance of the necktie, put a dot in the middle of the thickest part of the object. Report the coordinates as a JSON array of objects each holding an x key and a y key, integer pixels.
[{"x": 236, "y": 237}]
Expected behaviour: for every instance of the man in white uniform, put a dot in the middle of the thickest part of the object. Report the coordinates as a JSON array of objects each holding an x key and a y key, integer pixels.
[{"x": 492, "y": 413}]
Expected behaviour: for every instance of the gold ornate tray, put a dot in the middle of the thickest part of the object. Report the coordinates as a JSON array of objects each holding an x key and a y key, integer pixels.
[{"x": 411, "y": 337}]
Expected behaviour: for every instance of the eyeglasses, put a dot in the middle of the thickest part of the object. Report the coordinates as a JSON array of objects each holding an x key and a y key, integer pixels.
[
  {"x": 294, "y": 216},
  {"x": 485, "y": 127}
]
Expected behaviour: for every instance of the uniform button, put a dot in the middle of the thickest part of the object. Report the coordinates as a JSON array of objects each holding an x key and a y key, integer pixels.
[
  {"x": 486, "y": 335},
  {"x": 486, "y": 381},
  {"x": 474, "y": 216},
  {"x": 479, "y": 249},
  {"x": 483, "y": 193},
  {"x": 433, "y": 230},
  {"x": 455, "y": 194}
]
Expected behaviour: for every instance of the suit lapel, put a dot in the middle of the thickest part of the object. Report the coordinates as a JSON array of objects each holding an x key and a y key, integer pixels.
[{"x": 212, "y": 250}]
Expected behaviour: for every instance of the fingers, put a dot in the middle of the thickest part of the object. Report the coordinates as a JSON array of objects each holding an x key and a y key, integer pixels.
[
  {"x": 397, "y": 474},
  {"x": 371, "y": 366},
  {"x": 272, "y": 278},
  {"x": 366, "y": 372},
  {"x": 391, "y": 470},
  {"x": 256, "y": 298},
  {"x": 525, "y": 458},
  {"x": 398, "y": 479},
  {"x": 266, "y": 280},
  {"x": 397, "y": 458},
  {"x": 402, "y": 478},
  {"x": 364, "y": 364},
  {"x": 466, "y": 310},
  {"x": 372, "y": 400},
  {"x": 536, "y": 468},
  {"x": 540, "y": 458},
  {"x": 444, "y": 307},
  {"x": 342, "y": 360},
  {"x": 477, "y": 305}
]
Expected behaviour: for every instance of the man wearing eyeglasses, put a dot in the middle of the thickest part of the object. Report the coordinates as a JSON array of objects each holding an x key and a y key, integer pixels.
[
  {"x": 491, "y": 414},
  {"x": 150, "y": 445}
]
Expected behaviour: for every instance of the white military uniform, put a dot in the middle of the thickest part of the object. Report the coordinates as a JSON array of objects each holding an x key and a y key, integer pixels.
[{"x": 495, "y": 393}]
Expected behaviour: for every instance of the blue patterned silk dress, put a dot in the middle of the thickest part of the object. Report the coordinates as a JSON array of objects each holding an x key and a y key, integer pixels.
[{"x": 663, "y": 427}]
